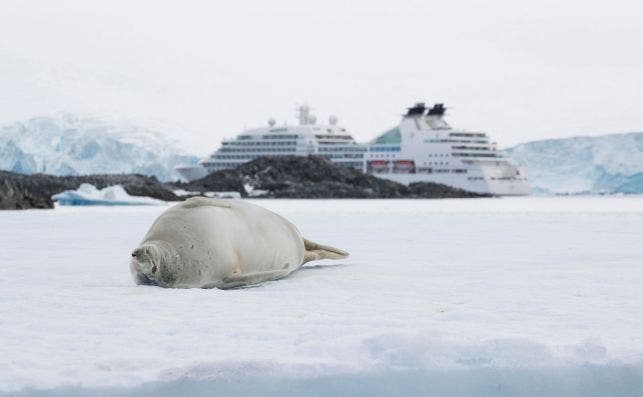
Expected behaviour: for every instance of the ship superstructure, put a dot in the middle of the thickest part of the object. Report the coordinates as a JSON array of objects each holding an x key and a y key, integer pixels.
[{"x": 424, "y": 148}]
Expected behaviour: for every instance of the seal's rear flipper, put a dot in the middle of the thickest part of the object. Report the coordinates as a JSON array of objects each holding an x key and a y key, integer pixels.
[{"x": 316, "y": 251}]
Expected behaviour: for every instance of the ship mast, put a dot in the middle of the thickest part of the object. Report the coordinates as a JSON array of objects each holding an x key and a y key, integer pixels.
[{"x": 303, "y": 114}]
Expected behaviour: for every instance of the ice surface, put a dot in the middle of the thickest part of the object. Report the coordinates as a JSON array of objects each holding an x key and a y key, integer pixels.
[
  {"x": 88, "y": 194},
  {"x": 485, "y": 297}
]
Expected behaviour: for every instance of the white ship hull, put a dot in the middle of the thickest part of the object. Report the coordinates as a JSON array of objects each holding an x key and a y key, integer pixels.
[{"x": 482, "y": 186}]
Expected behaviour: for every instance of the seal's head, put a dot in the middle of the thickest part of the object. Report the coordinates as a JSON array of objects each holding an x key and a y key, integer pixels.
[{"x": 151, "y": 264}]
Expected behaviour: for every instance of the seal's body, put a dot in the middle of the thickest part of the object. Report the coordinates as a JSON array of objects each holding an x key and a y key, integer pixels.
[{"x": 206, "y": 243}]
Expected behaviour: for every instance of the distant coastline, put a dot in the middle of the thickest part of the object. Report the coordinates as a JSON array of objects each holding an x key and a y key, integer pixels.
[
  {"x": 77, "y": 144},
  {"x": 19, "y": 191},
  {"x": 266, "y": 177}
]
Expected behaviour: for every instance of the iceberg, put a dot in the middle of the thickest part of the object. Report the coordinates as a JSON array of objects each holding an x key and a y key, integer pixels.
[{"x": 88, "y": 194}]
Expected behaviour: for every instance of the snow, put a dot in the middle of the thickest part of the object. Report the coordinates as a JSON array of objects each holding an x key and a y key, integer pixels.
[
  {"x": 604, "y": 164},
  {"x": 223, "y": 195},
  {"x": 486, "y": 297},
  {"x": 252, "y": 191},
  {"x": 69, "y": 144},
  {"x": 183, "y": 192},
  {"x": 88, "y": 194}
]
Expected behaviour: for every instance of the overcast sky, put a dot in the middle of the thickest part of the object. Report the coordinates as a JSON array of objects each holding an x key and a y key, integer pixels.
[{"x": 520, "y": 70}]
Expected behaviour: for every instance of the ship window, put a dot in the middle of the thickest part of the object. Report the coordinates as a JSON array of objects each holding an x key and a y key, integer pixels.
[
  {"x": 467, "y": 134},
  {"x": 385, "y": 148},
  {"x": 392, "y": 136}
]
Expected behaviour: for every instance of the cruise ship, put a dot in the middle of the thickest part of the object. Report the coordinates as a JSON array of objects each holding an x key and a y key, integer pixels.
[
  {"x": 305, "y": 138},
  {"x": 424, "y": 148}
]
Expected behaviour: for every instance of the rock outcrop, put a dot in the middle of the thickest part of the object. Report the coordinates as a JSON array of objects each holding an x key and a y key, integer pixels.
[{"x": 19, "y": 191}]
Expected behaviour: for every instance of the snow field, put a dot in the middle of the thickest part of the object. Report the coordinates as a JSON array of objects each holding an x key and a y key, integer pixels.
[{"x": 524, "y": 296}]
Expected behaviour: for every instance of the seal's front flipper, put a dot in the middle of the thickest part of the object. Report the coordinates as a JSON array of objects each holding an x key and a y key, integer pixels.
[
  {"x": 316, "y": 251},
  {"x": 251, "y": 278}
]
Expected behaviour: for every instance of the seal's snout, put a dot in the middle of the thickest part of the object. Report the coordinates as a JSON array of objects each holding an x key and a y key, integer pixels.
[
  {"x": 142, "y": 252},
  {"x": 143, "y": 260},
  {"x": 147, "y": 264}
]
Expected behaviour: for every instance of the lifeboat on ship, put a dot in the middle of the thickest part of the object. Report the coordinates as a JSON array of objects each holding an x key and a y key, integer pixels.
[
  {"x": 404, "y": 167},
  {"x": 378, "y": 166}
]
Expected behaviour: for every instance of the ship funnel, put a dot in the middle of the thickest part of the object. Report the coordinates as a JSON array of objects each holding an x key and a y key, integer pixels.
[
  {"x": 271, "y": 121},
  {"x": 416, "y": 110},
  {"x": 437, "y": 110}
]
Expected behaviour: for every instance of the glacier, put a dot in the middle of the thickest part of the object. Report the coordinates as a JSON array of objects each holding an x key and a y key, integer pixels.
[
  {"x": 88, "y": 194},
  {"x": 70, "y": 144},
  {"x": 606, "y": 164}
]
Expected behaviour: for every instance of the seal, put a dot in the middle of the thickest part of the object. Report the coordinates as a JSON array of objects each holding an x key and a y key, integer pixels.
[{"x": 208, "y": 243}]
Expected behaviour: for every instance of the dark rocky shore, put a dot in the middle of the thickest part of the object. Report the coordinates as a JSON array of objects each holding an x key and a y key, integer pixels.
[
  {"x": 277, "y": 177},
  {"x": 18, "y": 191},
  {"x": 314, "y": 177}
]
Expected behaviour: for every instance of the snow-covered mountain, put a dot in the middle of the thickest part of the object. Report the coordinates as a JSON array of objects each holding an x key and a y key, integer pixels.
[
  {"x": 603, "y": 164},
  {"x": 78, "y": 145}
]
